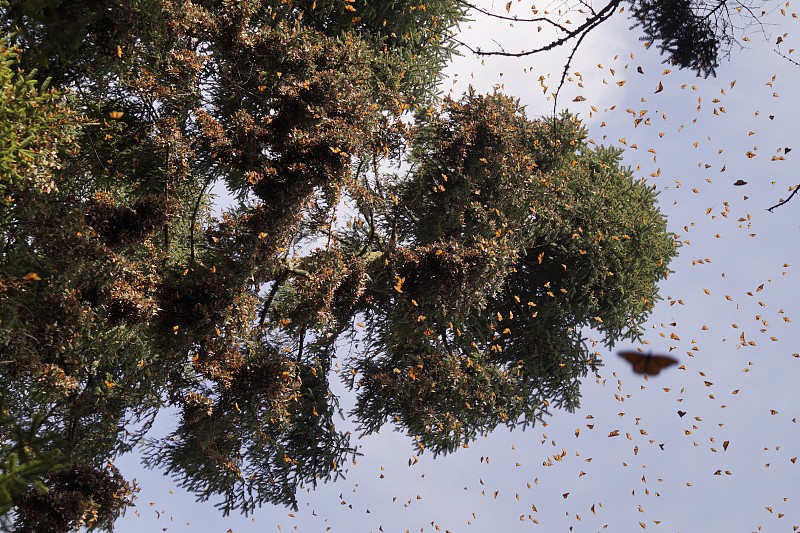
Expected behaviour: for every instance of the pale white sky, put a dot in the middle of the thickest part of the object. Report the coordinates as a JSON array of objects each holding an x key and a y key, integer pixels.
[{"x": 627, "y": 480}]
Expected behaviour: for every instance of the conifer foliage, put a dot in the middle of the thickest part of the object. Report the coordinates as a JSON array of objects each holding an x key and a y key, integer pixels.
[
  {"x": 467, "y": 246},
  {"x": 692, "y": 34}
]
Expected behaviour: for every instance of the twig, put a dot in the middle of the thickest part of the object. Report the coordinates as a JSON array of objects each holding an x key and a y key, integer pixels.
[
  {"x": 512, "y": 19},
  {"x": 566, "y": 70},
  {"x": 787, "y": 58},
  {"x": 796, "y": 188}
]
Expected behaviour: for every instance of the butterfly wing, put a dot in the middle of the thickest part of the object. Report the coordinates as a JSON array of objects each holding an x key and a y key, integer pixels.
[
  {"x": 655, "y": 363},
  {"x": 636, "y": 359},
  {"x": 646, "y": 364}
]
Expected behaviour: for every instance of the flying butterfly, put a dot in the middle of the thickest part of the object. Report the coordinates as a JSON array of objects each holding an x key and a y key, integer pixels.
[{"x": 647, "y": 364}]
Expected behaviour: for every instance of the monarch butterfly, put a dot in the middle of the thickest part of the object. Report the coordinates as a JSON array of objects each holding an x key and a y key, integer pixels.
[
  {"x": 647, "y": 364},
  {"x": 116, "y": 114}
]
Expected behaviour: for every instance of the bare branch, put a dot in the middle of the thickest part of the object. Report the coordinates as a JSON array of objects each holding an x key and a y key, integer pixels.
[
  {"x": 512, "y": 19},
  {"x": 787, "y": 58},
  {"x": 589, "y": 7},
  {"x": 566, "y": 68},
  {"x": 588, "y": 25},
  {"x": 796, "y": 188}
]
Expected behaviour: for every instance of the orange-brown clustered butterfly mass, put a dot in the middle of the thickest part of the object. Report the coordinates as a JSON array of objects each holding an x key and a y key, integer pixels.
[{"x": 647, "y": 364}]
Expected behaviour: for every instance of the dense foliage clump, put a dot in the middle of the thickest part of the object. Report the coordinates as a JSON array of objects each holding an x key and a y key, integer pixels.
[
  {"x": 470, "y": 246},
  {"x": 690, "y": 33}
]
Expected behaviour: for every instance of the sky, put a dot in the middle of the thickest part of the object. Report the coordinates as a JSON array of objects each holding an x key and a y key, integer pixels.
[{"x": 729, "y": 314}]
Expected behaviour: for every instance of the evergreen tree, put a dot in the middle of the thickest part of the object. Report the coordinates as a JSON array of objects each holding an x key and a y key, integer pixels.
[
  {"x": 692, "y": 34},
  {"x": 473, "y": 272}
]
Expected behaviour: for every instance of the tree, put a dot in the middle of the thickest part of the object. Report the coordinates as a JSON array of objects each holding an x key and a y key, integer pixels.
[
  {"x": 44, "y": 324},
  {"x": 476, "y": 267}
]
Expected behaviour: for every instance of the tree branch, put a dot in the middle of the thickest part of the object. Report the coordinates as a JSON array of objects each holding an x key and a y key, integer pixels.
[
  {"x": 290, "y": 268},
  {"x": 566, "y": 69},
  {"x": 588, "y": 25},
  {"x": 796, "y": 188},
  {"x": 512, "y": 19},
  {"x": 193, "y": 221},
  {"x": 787, "y": 58}
]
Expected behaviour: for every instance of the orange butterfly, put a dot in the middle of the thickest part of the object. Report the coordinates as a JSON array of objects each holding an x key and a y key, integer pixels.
[{"x": 647, "y": 364}]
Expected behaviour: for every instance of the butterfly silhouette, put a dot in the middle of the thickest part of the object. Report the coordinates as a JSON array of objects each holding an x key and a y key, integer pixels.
[{"x": 647, "y": 364}]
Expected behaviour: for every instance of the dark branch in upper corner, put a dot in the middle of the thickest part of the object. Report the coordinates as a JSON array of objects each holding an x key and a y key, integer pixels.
[
  {"x": 584, "y": 28},
  {"x": 578, "y": 33},
  {"x": 512, "y": 19},
  {"x": 565, "y": 72}
]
